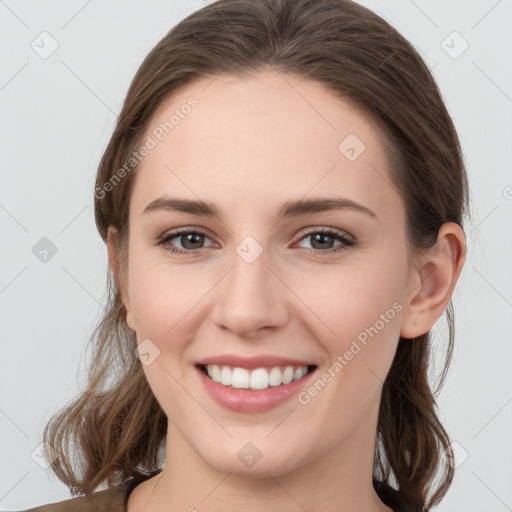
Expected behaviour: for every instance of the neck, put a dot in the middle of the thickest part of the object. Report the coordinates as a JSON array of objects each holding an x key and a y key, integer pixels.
[{"x": 338, "y": 480}]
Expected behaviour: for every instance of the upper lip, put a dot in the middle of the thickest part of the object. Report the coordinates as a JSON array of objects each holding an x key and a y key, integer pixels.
[{"x": 250, "y": 363}]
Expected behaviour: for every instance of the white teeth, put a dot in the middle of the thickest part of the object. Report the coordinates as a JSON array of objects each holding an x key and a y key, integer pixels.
[
  {"x": 259, "y": 378},
  {"x": 215, "y": 373},
  {"x": 288, "y": 375},
  {"x": 275, "y": 377},
  {"x": 225, "y": 376},
  {"x": 240, "y": 378},
  {"x": 300, "y": 372}
]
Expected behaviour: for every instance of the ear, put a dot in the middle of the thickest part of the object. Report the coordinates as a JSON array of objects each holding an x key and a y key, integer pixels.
[
  {"x": 432, "y": 281},
  {"x": 120, "y": 274}
]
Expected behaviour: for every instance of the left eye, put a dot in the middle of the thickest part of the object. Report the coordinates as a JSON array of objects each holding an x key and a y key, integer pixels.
[
  {"x": 192, "y": 241},
  {"x": 323, "y": 238}
]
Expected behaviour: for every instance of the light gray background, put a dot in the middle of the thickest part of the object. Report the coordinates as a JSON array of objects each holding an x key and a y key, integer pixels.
[{"x": 57, "y": 115}]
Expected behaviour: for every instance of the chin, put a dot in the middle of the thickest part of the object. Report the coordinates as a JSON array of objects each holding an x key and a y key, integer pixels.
[{"x": 248, "y": 461}]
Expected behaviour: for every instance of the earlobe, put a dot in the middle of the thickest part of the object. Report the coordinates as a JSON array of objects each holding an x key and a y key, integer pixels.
[
  {"x": 437, "y": 275},
  {"x": 117, "y": 273}
]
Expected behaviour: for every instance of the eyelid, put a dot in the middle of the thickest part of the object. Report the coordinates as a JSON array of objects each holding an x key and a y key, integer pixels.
[
  {"x": 303, "y": 233},
  {"x": 346, "y": 240},
  {"x": 328, "y": 230},
  {"x": 175, "y": 233}
]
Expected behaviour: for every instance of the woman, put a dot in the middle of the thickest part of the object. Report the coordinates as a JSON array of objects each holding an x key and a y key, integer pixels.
[{"x": 282, "y": 201}]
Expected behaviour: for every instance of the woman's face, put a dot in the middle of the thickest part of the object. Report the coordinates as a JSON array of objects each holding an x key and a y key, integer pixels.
[{"x": 278, "y": 271}]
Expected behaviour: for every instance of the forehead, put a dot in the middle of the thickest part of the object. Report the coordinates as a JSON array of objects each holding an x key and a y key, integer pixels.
[{"x": 269, "y": 135}]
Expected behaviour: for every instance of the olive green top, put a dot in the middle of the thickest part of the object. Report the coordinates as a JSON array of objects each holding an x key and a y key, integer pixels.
[{"x": 115, "y": 499}]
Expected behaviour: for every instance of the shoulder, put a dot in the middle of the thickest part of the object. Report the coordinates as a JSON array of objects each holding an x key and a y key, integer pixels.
[{"x": 111, "y": 500}]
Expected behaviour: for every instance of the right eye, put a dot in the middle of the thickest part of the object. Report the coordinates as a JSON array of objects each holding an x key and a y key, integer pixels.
[{"x": 189, "y": 239}]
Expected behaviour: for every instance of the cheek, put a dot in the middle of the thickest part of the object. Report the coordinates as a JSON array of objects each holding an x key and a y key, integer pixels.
[
  {"x": 170, "y": 304},
  {"x": 163, "y": 299},
  {"x": 346, "y": 301},
  {"x": 161, "y": 294},
  {"x": 360, "y": 313},
  {"x": 357, "y": 321}
]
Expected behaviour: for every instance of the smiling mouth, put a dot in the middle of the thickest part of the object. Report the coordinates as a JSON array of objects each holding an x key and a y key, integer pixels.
[{"x": 256, "y": 379}]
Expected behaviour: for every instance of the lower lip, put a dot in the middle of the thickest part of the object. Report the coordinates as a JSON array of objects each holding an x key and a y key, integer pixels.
[{"x": 244, "y": 400}]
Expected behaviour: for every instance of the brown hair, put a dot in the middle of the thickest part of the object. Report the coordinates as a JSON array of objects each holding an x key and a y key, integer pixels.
[{"x": 116, "y": 427}]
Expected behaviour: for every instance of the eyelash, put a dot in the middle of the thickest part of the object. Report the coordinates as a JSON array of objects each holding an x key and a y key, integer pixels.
[{"x": 346, "y": 242}]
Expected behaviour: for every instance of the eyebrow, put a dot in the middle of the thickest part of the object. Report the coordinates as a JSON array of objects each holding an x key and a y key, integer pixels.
[{"x": 292, "y": 208}]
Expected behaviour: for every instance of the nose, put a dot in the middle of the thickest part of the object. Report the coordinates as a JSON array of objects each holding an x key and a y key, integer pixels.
[{"x": 251, "y": 300}]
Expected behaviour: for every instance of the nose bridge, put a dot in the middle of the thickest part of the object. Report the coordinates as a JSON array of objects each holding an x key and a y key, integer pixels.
[{"x": 250, "y": 297}]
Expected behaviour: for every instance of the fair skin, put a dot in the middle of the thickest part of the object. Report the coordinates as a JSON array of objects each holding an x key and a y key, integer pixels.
[{"x": 249, "y": 146}]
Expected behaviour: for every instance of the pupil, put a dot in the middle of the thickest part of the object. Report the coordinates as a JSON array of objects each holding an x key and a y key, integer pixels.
[
  {"x": 321, "y": 238},
  {"x": 196, "y": 238},
  {"x": 190, "y": 238}
]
